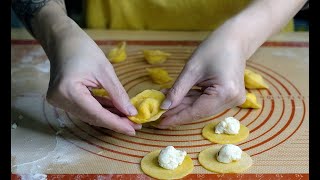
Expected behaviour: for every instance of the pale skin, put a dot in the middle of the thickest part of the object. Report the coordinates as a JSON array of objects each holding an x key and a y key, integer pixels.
[{"x": 217, "y": 66}]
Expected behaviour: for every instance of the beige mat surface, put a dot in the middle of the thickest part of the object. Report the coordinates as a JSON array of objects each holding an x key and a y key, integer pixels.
[{"x": 50, "y": 141}]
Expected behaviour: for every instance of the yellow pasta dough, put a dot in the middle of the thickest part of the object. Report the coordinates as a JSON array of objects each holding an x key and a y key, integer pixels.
[
  {"x": 155, "y": 56},
  {"x": 148, "y": 105},
  {"x": 251, "y": 102},
  {"x": 159, "y": 75},
  {"x": 167, "y": 85},
  {"x": 253, "y": 80},
  {"x": 99, "y": 92},
  {"x": 208, "y": 159},
  {"x": 150, "y": 166},
  {"x": 118, "y": 54},
  {"x": 208, "y": 132}
]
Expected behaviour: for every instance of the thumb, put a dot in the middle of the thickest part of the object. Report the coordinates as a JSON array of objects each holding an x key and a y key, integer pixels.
[
  {"x": 187, "y": 78},
  {"x": 118, "y": 95}
]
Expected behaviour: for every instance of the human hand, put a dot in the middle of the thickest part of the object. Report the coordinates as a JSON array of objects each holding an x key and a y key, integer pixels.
[
  {"x": 217, "y": 67},
  {"x": 77, "y": 64}
]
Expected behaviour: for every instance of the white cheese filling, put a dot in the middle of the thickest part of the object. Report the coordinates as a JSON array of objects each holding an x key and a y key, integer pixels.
[
  {"x": 170, "y": 158},
  {"x": 229, "y": 125},
  {"x": 229, "y": 153}
]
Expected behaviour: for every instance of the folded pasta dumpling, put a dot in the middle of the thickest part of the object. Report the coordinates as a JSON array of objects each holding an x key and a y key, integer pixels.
[
  {"x": 118, "y": 54},
  {"x": 155, "y": 56},
  {"x": 99, "y": 92},
  {"x": 251, "y": 102},
  {"x": 167, "y": 85},
  {"x": 254, "y": 80},
  {"x": 147, "y": 104},
  {"x": 159, "y": 75}
]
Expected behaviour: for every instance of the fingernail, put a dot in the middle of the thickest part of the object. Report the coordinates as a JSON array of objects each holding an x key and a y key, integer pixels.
[
  {"x": 132, "y": 111},
  {"x": 131, "y": 133},
  {"x": 137, "y": 126},
  {"x": 166, "y": 104}
]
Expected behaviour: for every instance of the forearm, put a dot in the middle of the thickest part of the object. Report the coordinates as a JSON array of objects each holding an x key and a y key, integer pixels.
[
  {"x": 264, "y": 18},
  {"x": 51, "y": 26},
  {"x": 249, "y": 29},
  {"x": 47, "y": 21},
  {"x": 27, "y": 10}
]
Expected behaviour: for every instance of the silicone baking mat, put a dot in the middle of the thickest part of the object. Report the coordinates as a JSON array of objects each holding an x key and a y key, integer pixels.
[{"x": 51, "y": 143}]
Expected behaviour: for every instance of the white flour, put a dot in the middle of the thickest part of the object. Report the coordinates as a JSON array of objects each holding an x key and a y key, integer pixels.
[
  {"x": 28, "y": 61},
  {"x": 32, "y": 55},
  {"x": 61, "y": 154},
  {"x": 36, "y": 149},
  {"x": 43, "y": 67}
]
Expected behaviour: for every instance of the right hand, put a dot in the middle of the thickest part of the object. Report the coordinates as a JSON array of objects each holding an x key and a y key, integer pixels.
[
  {"x": 77, "y": 64},
  {"x": 217, "y": 68}
]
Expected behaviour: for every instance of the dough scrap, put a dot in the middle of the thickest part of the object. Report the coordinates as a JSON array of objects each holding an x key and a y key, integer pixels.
[
  {"x": 155, "y": 56},
  {"x": 150, "y": 166},
  {"x": 118, "y": 54},
  {"x": 159, "y": 75},
  {"x": 148, "y": 104},
  {"x": 254, "y": 80},
  {"x": 251, "y": 102},
  {"x": 99, "y": 92},
  {"x": 207, "y": 159},
  {"x": 208, "y": 133}
]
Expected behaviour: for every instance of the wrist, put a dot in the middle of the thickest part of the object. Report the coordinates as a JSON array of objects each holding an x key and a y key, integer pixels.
[
  {"x": 51, "y": 25},
  {"x": 227, "y": 40}
]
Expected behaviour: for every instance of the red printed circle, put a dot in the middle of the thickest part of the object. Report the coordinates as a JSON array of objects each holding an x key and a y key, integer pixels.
[{"x": 266, "y": 125}]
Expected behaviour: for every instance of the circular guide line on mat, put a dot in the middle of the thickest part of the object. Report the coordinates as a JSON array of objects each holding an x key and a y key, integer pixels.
[{"x": 174, "y": 138}]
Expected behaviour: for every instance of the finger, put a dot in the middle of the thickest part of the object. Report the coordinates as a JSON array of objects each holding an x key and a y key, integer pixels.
[
  {"x": 164, "y": 91},
  {"x": 188, "y": 77},
  {"x": 115, "y": 111},
  {"x": 204, "y": 106},
  {"x": 88, "y": 109},
  {"x": 186, "y": 102},
  {"x": 106, "y": 102},
  {"x": 175, "y": 110},
  {"x": 206, "y": 83},
  {"x": 194, "y": 92},
  {"x": 117, "y": 93},
  {"x": 134, "y": 125}
]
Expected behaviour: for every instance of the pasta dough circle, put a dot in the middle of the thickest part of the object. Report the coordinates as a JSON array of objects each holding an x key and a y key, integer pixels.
[
  {"x": 208, "y": 133},
  {"x": 150, "y": 166},
  {"x": 207, "y": 159}
]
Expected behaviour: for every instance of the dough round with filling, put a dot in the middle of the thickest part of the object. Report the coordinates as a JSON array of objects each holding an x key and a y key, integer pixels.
[
  {"x": 150, "y": 166},
  {"x": 208, "y": 159},
  {"x": 208, "y": 132}
]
